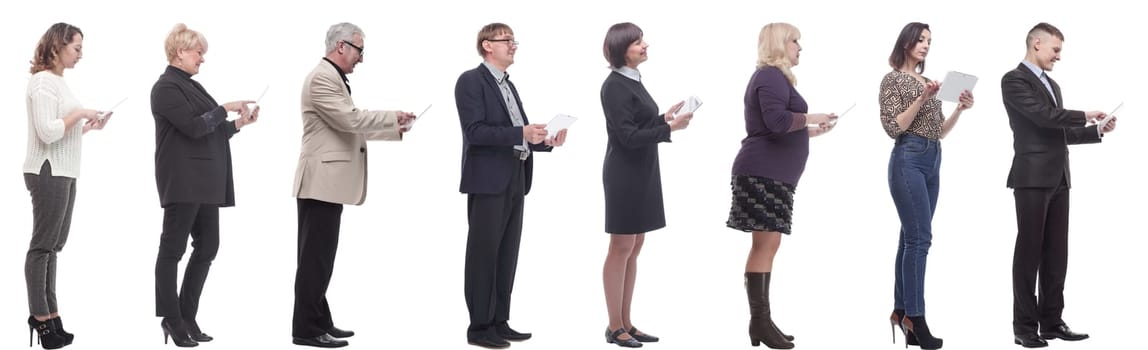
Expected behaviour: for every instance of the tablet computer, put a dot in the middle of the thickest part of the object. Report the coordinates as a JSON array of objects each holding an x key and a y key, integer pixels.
[
  {"x": 251, "y": 106},
  {"x": 955, "y": 83},
  {"x": 689, "y": 106},
  {"x": 1108, "y": 118},
  {"x": 104, "y": 114},
  {"x": 834, "y": 121},
  {"x": 558, "y": 123}
]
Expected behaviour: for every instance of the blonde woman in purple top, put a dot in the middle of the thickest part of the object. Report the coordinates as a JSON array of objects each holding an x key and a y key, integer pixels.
[{"x": 768, "y": 167}]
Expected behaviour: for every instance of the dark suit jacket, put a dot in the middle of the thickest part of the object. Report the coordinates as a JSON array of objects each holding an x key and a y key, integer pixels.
[
  {"x": 488, "y": 135},
  {"x": 1042, "y": 130},
  {"x": 192, "y": 148}
]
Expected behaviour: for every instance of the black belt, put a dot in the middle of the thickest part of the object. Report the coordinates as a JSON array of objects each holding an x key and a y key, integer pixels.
[{"x": 520, "y": 154}]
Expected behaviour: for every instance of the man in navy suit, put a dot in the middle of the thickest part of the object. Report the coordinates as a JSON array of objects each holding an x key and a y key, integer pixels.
[
  {"x": 498, "y": 144},
  {"x": 1042, "y": 130}
]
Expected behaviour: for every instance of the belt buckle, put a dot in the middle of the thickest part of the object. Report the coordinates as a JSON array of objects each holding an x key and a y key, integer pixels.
[{"x": 521, "y": 155}]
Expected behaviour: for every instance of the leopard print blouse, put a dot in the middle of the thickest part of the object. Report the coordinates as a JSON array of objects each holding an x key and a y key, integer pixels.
[{"x": 898, "y": 91}]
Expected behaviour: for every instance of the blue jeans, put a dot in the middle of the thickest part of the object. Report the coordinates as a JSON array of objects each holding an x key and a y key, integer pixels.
[{"x": 914, "y": 182}]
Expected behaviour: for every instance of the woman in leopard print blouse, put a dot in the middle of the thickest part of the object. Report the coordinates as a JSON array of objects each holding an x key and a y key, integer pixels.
[{"x": 911, "y": 115}]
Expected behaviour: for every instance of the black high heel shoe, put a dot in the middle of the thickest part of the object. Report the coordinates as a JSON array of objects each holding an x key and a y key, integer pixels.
[
  {"x": 920, "y": 329},
  {"x": 173, "y": 328},
  {"x": 895, "y": 322},
  {"x": 194, "y": 332},
  {"x": 46, "y": 334},
  {"x": 68, "y": 337},
  {"x": 612, "y": 338}
]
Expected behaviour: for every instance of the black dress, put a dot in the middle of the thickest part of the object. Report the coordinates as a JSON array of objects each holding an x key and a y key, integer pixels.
[{"x": 630, "y": 173}]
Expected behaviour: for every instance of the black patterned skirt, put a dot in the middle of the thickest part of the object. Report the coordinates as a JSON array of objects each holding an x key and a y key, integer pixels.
[{"x": 761, "y": 204}]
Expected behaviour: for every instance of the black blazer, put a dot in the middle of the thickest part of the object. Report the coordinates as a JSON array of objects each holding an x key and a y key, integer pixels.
[
  {"x": 488, "y": 135},
  {"x": 1042, "y": 130},
  {"x": 192, "y": 148}
]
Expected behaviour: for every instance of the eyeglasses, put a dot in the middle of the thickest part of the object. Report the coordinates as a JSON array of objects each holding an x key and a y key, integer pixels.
[
  {"x": 510, "y": 42},
  {"x": 354, "y": 46}
]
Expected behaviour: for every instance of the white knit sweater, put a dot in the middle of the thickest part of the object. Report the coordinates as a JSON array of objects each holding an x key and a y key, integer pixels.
[{"x": 49, "y": 101}]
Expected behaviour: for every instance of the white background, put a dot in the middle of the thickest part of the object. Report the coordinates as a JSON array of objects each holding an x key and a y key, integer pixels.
[{"x": 398, "y": 279}]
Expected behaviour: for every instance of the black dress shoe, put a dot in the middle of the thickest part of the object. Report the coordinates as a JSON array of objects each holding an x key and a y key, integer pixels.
[
  {"x": 1029, "y": 341},
  {"x": 488, "y": 340},
  {"x": 339, "y": 333},
  {"x": 612, "y": 338},
  {"x": 322, "y": 341},
  {"x": 1062, "y": 332},
  {"x": 504, "y": 331},
  {"x": 642, "y": 336}
]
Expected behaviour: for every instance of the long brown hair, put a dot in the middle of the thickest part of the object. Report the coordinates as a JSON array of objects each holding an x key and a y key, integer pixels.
[{"x": 54, "y": 40}]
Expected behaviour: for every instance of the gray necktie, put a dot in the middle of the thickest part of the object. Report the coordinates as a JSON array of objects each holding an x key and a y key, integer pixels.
[{"x": 512, "y": 107}]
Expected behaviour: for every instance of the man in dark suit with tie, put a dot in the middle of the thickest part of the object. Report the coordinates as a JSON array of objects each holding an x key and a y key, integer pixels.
[
  {"x": 1042, "y": 130},
  {"x": 497, "y": 161}
]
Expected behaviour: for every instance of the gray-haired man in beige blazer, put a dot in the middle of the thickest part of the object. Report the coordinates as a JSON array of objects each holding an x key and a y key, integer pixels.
[{"x": 332, "y": 172}]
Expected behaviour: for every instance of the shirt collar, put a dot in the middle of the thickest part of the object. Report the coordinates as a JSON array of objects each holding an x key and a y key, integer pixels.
[
  {"x": 629, "y": 73},
  {"x": 1033, "y": 67},
  {"x": 499, "y": 76}
]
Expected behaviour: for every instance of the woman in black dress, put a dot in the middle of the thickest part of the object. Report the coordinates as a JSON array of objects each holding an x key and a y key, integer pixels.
[{"x": 630, "y": 174}]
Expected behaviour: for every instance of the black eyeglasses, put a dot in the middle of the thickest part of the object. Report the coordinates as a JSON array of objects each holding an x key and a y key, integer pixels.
[
  {"x": 510, "y": 42},
  {"x": 354, "y": 46}
]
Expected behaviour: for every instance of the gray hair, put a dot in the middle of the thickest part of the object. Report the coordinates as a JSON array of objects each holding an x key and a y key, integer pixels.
[{"x": 339, "y": 32}]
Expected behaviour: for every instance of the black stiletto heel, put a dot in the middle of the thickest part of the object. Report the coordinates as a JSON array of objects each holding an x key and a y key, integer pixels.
[
  {"x": 173, "y": 328},
  {"x": 895, "y": 321},
  {"x": 46, "y": 334}
]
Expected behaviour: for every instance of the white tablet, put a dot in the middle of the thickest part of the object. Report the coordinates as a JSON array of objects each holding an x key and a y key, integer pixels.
[
  {"x": 955, "y": 83},
  {"x": 423, "y": 112},
  {"x": 691, "y": 104},
  {"x": 102, "y": 115},
  {"x": 1108, "y": 118},
  {"x": 834, "y": 121},
  {"x": 558, "y": 123},
  {"x": 251, "y": 107}
]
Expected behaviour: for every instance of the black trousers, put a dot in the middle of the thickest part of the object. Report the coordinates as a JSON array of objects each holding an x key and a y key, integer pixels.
[
  {"x": 492, "y": 253},
  {"x": 318, "y": 242},
  {"x": 201, "y": 221},
  {"x": 1040, "y": 256}
]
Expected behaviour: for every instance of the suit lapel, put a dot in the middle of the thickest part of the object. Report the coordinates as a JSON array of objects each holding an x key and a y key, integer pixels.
[
  {"x": 329, "y": 69},
  {"x": 1035, "y": 80},
  {"x": 1056, "y": 89},
  {"x": 518, "y": 101},
  {"x": 489, "y": 79}
]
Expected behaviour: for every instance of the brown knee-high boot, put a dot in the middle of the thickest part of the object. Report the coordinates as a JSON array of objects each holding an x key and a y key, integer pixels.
[{"x": 761, "y": 327}]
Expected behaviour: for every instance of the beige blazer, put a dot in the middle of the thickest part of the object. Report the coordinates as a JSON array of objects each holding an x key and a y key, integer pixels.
[{"x": 333, "y": 160}]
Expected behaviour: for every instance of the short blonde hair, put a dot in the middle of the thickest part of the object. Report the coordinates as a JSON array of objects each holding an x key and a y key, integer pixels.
[
  {"x": 181, "y": 38},
  {"x": 771, "y": 48}
]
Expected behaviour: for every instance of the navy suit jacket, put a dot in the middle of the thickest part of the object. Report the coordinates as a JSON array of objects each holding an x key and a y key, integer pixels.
[
  {"x": 488, "y": 135},
  {"x": 1042, "y": 130}
]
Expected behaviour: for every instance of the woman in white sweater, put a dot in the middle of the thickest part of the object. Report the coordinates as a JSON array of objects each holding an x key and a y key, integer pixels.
[{"x": 56, "y": 123}]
